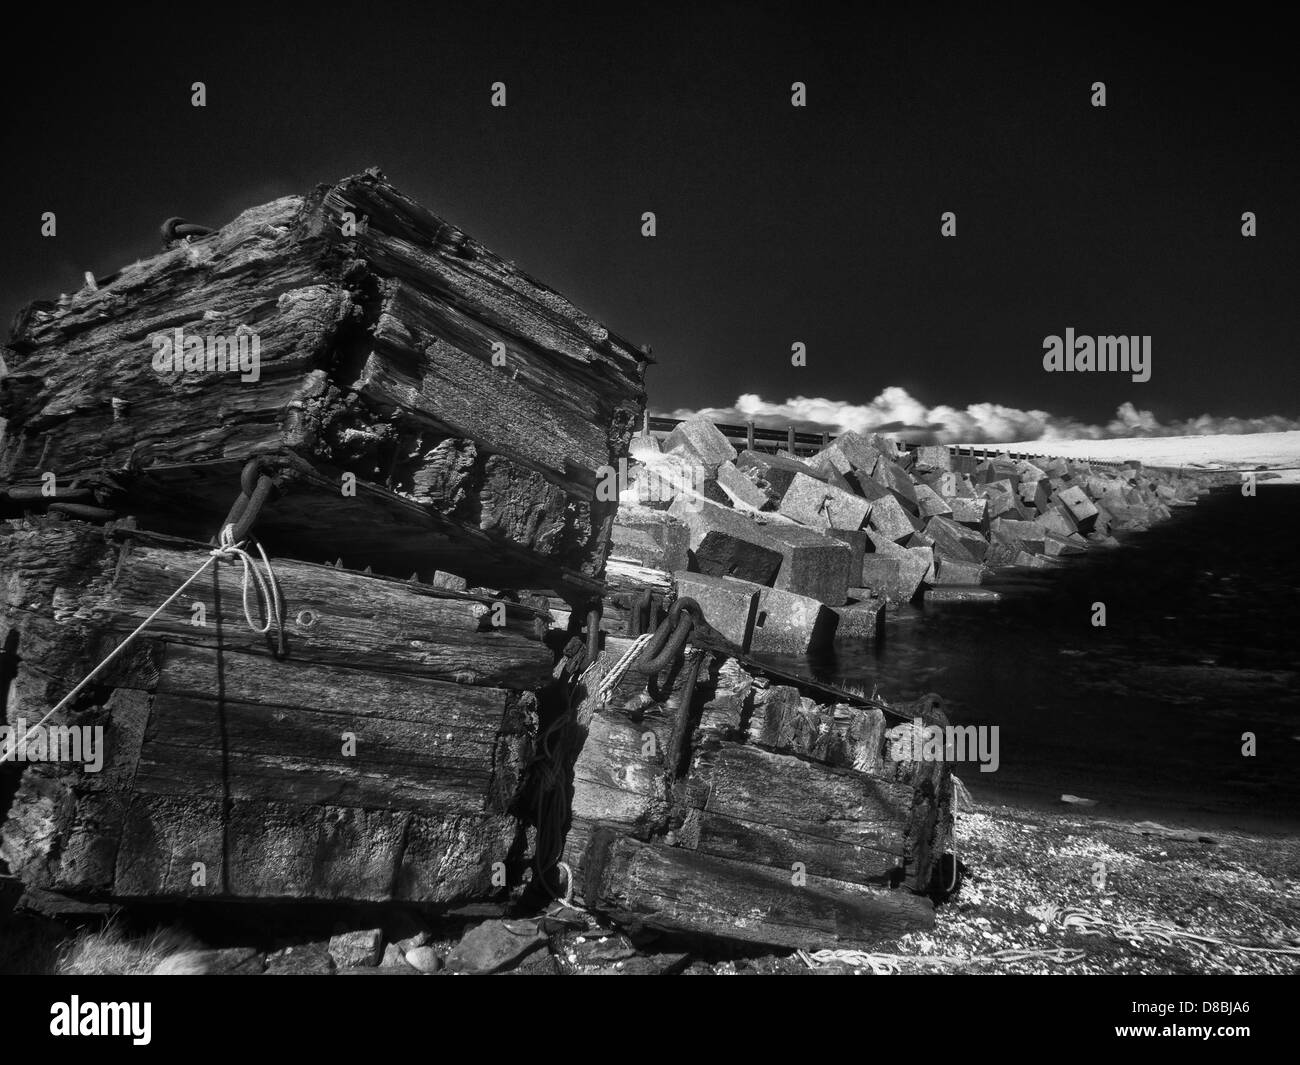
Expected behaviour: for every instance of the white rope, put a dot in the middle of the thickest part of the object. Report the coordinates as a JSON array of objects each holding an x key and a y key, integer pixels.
[
  {"x": 266, "y": 586},
  {"x": 610, "y": 681},
  {"x": 228, "y": 547}
]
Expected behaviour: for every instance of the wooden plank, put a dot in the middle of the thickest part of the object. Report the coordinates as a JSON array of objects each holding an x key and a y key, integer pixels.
[
  {"x": 677, "y": 890},
  {"x": 376, "y": 349},
  {"x": 331, "y": 616}
]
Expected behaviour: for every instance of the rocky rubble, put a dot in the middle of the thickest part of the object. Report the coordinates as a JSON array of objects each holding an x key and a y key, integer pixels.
[{"x": 788, "y": 555}]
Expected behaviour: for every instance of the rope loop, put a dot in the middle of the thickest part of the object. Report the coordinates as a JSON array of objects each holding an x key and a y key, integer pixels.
[{"x": 268, "y": 588}]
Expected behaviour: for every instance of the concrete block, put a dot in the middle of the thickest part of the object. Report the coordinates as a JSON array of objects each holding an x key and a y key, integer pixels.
[
  {"x": 1001, "y": 554},
  {"x": 699, "y": 438},
  {"x": 1079, "y": 507},
  {"x": 669, "y": 535},
  {"x": 858, "y": 544},
  {"x": 1024, "y": 558},
  {"x": 866, "y": 486},
  {"x": 956, "y": 540},
  {"x": 892, "y": 476},
  {"x": 931, "y": 503},
  {"x": 828, "y": 461},
  {"x": 970, "y": 511},
  {"x": 956, "y": 593},
  {"x": 790, "y": 623},
  {"x": 891, "y": 519},
  {"x": 860, "y": 623},
  {"x": 822, "y": 506},
  {"x": 723, "y": 554},
  {"x": 916, "y": 564},
  {"x": 879, "y": 574},
  {"x": 840, "y": 481},
  {"x": 948, "y": 570},
  {"x": 1054, "y": 545},
  {"x": 1055, "y": 519},
  {"x": 1002, "y": 497},
  {"x": 1010, "y": 530},
  {"x": 774, "y": 471},
  {"x": 643, "y": 445},
  {"x": 659, "y": 479},
  {"x": 1043, "y": 493},
  {"x": 740, "y": 488},
  {"x": 811, "y": 563},
  {"x": 884, "y": 445},
  {"x": 857, "y": 449},
  {"x": 933, "y": 457},
  {"x": 1029, "y": 471},
  {"x": 730, "y": 606},
  {"x": 943, "y": 483}
]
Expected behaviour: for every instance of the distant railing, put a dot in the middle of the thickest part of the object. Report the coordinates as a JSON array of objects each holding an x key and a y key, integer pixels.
[{"x": 757, "y": 438}]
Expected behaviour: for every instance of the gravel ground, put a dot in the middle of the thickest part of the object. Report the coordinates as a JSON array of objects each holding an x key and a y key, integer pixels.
[{"x": 1242, "y": 888}]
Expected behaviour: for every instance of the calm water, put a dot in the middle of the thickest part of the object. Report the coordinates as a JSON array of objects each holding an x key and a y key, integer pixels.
[{"x": 1200, "y": 646}]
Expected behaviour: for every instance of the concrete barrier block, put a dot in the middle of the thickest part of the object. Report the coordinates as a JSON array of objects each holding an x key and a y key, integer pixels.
[
  {"x": 729, "y": 605},
  {"x": 1054, "y": 519},
  {"x": 956, "y": 540},
  {"x": 970, "y": 511},
  {"x": 933, "y": 457},
  {"x": 955, "y": 593},
  {"x": 931, "y": 503},
  {"x": 860, "y": 623},
  {"x": 823, "y": 506},
  {"x": 774, "y": 471},
  {"x": 943, "y": 483},
  {"x": 1082, "y": 511},
  {"x": 1010, "y": 530},
  {"x": 858, "y": 544},
  {"x": 1001, "y": 554},
  {"x": 879, "y": 574},
  {"x": 1055, "y": 545},
  {"x": 916, "y": 565},
  {"x": 891, "y": 519},
  {"x": 885, "y": 445},
  {"x": 895, "y": 478},
  {"x": 699, "y": 438},
  {"x": 739, "y": 488},
  {"x": 811, "y": 563},
  {"x": 790, "y": 623},
  {"x": 948, "y": 570}
]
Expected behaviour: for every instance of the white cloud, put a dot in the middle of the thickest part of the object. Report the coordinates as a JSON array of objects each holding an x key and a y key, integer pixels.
[{"x": 895, "y": 410}]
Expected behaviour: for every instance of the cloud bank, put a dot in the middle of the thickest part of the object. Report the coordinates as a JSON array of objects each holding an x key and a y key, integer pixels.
[{"x": 897, "y": 411}]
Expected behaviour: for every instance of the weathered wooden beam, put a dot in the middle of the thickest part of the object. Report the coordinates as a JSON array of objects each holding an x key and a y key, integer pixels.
[
  {"x": 473, "y": 406},
  {"x": 678, "y": 890},
  {"x": 385, "y": 756},
  {"x": 331, "y": 616}
]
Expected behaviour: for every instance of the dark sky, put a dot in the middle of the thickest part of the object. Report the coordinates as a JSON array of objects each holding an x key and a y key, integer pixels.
[{"x": 775, "y": 224}]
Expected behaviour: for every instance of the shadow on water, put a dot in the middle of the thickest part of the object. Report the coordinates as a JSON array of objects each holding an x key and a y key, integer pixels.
[{"x": 1199, "y": 647}]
